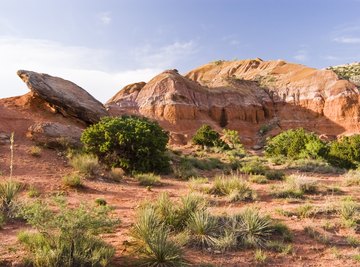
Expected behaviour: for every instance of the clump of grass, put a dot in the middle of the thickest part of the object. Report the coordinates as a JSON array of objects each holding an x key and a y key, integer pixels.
[
  {"x": 296, "y": 186},
  {"x": 352, "y": 178},
  {"x": 316, "y": 235},
  {"x": 33, "y": 192},
  {"x": 73, "y": 180},
  {"x": 185, "y": 169},
  {"x": 116, "y": 174},
  {"x": 305, "y": 211},
  {"x": 280, "y": 247},
  {"x": 232, "y": 186},
  {"x": 86, "y": 164},
  {"x": 260, "y": 256},
  {"x": 8, "y": 193},
  {"x": 148, "y": 179},
  {"x": 254, "y": 166},
  {"x": 258, "y": 179},
  {"x": 349, "y": 212},
  {"x": 35, "y": 151},
  {"x": 353, "y": 241},
  {"x": 227, "y": 241},
  {"x": 274, "y": 175},
  {"x": 312, "y": 165},
  {"x": 198, "y": 183}
]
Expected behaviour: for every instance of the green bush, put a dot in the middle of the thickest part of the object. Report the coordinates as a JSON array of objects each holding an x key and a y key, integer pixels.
[
  {"x": 296, "y": 143},
  {"x": 148, "y": 179},
  {"x": 345, "y": 152},
  {"x": 68, "y": 237},
  {"x": 254, "y": 166},
  {"x": 206, "y": 136},
  {"x": 132, "y": 143}
]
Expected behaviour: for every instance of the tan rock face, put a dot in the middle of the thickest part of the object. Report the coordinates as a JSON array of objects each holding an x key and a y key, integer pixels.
[
  {"x": 65, "y": 96},
  {"x": 244, "y": 95}
]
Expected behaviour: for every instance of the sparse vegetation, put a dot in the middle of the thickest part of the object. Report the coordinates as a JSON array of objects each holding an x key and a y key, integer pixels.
[
  {"x": 35, "y": 151},
  {"x": 296, "y": 187},
  {"x": 68, "y": 237},
  {"x": 352, "y": 178},
  {"x": 148, "y": 179}
]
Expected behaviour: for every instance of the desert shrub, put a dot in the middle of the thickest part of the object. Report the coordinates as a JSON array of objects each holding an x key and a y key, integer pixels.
[
  {"x": 258, "y": 179},
  {"x": 260, "y": 256},
  {"x": 254, "y": 166},
  {"x": 132, "y": 143},
  {"x": 345, "y": 152},
  {"x": 68, "y": 237},
  {"x": 148, "y": 179},
  {"x": 198, "y": 183},
  {"x": 33, "y": 192},
  {"x": 274, "y": 175},
  {"x": 8, "y": 193},
  {"x": 100, "y": 202},
  {"x": 296, "y": 144},
  {"x": 235, "y": 188},
  {"x": 232, "y": 138},
  {"x": 35, "y": 151},
  {"x": 116, "y": 174},
  {"x": 86, "y": 164},
  {"x": 73, "y": 180},
  {"x": 352, "y": 177},
  {"x": 205, "y": 136}
]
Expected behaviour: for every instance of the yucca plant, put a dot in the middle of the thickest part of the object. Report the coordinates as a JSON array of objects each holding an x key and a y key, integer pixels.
[
  {"x": 160, "y": 251},
  {"x": 251, "y": 228},
  {"x": 202, "y": 227},
  {"x": 8, "y": 192},
  {"x": 146, "y": 224}
]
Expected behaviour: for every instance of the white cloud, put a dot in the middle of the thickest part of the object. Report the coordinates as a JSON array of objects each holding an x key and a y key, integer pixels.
[
  {"x": 347, "y": 40},
  {"x": 105, "y": 18},
  {"x": 165, "y": 56},
  {"x": 301, "y": 55},
  {"x": 82, "y": 65}
]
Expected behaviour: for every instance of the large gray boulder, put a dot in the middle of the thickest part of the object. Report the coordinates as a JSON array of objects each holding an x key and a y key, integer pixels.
[
  {"x": 65, "y": 96},
  {"x": 55, "y": 135}
]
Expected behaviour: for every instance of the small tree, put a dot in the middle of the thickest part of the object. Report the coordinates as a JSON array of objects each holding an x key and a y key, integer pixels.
[
  {"x": 132, "y": 143},
  {"x": 232, "y": 138},
  {"x": 206, "y": 136}
]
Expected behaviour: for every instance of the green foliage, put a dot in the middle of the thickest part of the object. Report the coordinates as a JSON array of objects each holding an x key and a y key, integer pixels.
[
  {"x": 132, "y": 143},
  {"x": 100, "y": 202},
  {"x": 68, "y": 237},
  {"x": 148, "y": 179},
  {"x": 232, "y": 138},
  {"x": 274, "y": 175},
  {"x": 33, "y": 192},
  {"x": 296, "y": 187},
  {"x": 258, "y": 179},
  {"x": 313, "y": 165},
  {"x": 345, "y": 152},
  {"x": 296, "y": 143},
  {"x": 206, "y": 136}
]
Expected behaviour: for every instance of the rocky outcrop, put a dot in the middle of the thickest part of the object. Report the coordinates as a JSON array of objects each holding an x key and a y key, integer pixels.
[
  {"x": 55, "y": 135},
  {"x": 64, "y": 96},
  {"x": 245, "y": 95}
]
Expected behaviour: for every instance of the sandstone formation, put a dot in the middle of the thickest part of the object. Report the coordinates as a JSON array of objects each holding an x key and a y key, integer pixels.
[
  {"x": 246, "y": 95},
  {"x": 64, "y": 96},
  {"x": 55, "y": 135}
]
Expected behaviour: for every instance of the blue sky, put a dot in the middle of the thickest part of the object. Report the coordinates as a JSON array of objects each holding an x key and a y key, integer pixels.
[{"x": 102, "y": 45}]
